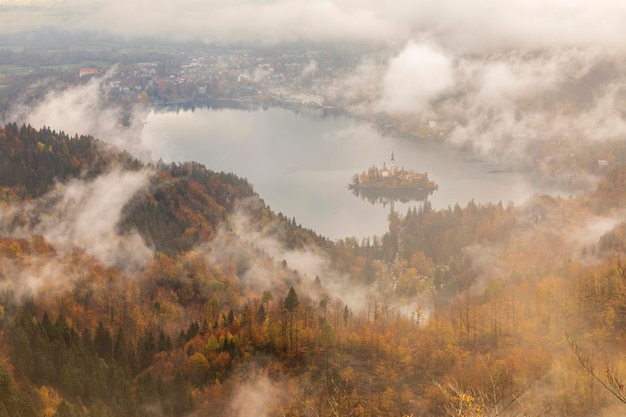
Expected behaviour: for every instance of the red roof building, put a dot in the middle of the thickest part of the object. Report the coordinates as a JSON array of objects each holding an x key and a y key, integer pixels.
[{"x": 88, "y": 71}]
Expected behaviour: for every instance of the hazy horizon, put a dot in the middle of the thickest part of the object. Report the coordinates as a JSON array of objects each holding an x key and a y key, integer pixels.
[{"x": 491, "y": 70}]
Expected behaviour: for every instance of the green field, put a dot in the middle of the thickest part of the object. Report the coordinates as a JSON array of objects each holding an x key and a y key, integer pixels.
[
  {"x": 15, "y": 49},
  {"x": 101, "y": 65},
  {"x": 14, "y": 69}
]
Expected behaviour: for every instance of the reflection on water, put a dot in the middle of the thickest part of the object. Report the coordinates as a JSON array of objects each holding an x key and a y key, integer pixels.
[
  {"x": 385, "y": 196},
  {"x": 244, "y": 105},
  {"x": 300, "y": 162}
]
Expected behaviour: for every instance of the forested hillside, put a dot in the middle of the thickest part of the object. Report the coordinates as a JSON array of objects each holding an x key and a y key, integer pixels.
[
  {"x": 180, "y": 293},
  {"x": 33, "y": 160}
]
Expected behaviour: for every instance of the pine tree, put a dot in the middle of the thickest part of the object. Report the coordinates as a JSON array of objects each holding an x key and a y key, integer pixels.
[
  {"x": 146, "y": 350},
  {"x": 120, "y": 350},
  {"x": 291, "y": 301},
  {"x": 291, "y": 304},
  {"x": 103, "y": 343},
  {"x": 86, "y": 341},
  {"x": 165, "y": 343}
]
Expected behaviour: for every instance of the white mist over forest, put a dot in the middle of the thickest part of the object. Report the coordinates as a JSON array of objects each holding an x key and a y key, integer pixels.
[{"x": 486, "y": 302}]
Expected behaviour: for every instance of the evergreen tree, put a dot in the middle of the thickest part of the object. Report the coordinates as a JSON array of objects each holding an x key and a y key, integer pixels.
[
  {"x": 291, "y": 304},
  {"x": 86, "y": 341},
  {"x": 103, "y": 343},
  {"x": 291, "y": 301},
  {"x": 48, "y": 327},
  {"x": 165, "y": 343},
  {"x": 6, "y": 385},
  {"x": 146, "y": 350},
  {"x": 120, "y": 350},
  {"x": 63, "y": 330},
  {"x": 261, "y": 315}
]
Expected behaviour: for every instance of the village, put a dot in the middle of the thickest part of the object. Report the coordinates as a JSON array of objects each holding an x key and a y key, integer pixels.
[{"x": 296, "y": 78}]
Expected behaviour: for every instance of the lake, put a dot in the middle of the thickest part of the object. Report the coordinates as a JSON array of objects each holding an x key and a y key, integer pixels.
[{"x": 300, "y": 162}]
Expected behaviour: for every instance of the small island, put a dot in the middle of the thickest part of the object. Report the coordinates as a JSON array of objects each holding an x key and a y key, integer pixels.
[{"x": 392, "y": 182}]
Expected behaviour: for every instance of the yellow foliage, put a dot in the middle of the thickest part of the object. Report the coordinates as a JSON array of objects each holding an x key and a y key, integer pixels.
[
  {"x": 347, "y": 374},
  {"x": 138, "y": 319},
  {"x": 197, "y": 368},
  {"x": 50, "y": 400},
  {"x": 15, "y": 251}
]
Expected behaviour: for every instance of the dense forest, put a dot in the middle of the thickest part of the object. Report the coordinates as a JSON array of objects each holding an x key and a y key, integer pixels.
[{"x": 197, "y": 299}]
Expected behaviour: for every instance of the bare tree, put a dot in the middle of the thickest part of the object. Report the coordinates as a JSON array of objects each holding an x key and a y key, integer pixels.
[
  {"x": 478, "y": 403},
  {"x": 491, "y": 400},
  {"x": 610, "y": 380}
]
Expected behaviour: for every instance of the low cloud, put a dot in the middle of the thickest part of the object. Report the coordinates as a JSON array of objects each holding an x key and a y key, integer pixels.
[
  {"x": 500, "y": 103},
  {"x": 40, "y": 274},
  {"x": 359, "y": 90},
  {"x": 85, "y": 110},
  {"x": 255, "y": 398},
  {"x": 535, "y": 95},
  {"x": 85, "y": 214},
  {"x": 486, "y": 72},
  {"x": 306, "y": 261},
  {"x": 419, "y": 74},
  {"x": 260, "y": 252},
  {"x": 475, "y": 26},
  {"x": 310, "y": 69},
  {"x": 263, "y": 251}
]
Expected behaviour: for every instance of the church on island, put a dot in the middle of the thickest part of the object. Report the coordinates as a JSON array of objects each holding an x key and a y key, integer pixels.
[
  {"x": 391, "y": 171},
  {"x": 392, "y": 178}
]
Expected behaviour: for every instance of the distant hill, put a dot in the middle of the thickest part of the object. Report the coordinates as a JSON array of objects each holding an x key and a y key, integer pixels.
[
  {"x": 123, "y": 342},
  {"x": 34, "y": 160},
  {"x": 182, "y": 207}
]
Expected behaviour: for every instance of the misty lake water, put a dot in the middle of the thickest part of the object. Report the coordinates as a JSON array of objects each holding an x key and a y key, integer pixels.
[{"x": 300, "y": 163}]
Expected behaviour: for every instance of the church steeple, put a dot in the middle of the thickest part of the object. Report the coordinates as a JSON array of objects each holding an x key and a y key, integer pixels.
[{"x": 392, "y": 165}]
